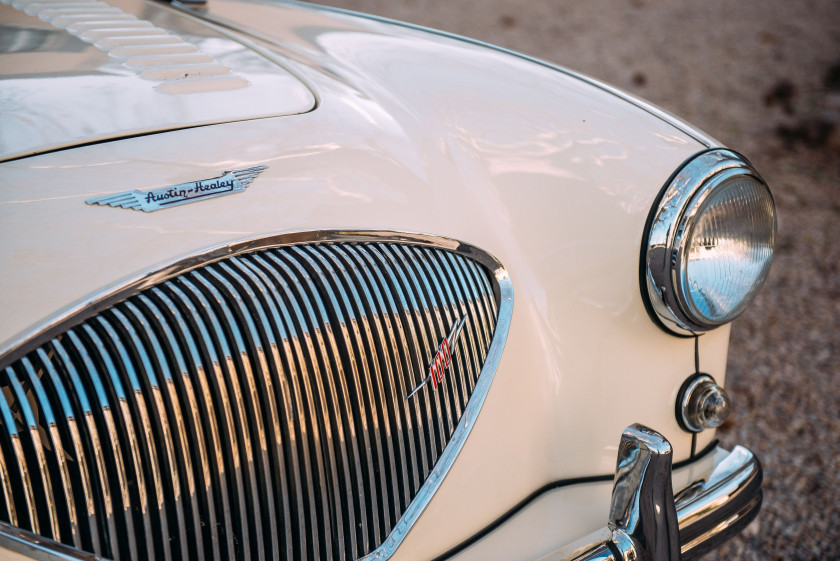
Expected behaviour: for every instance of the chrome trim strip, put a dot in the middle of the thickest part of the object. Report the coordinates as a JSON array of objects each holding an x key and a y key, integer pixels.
[{"x": 38, "y": 547}]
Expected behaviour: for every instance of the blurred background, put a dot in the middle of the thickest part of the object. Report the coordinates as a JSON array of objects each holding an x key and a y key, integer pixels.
[{"x": 763, "y": 78}]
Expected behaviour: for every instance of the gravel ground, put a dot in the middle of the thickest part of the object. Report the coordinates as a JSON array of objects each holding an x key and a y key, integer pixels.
[{"x": 763, "y": 77}]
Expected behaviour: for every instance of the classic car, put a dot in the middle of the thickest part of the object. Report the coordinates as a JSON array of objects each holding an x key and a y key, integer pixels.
[{"x": 285, "y": 282}]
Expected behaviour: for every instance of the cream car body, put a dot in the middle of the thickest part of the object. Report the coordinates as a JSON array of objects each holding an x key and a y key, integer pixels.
[{"x": 375, "y": 126}]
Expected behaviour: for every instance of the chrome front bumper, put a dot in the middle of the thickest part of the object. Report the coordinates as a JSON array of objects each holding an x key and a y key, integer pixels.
[{"x": 648, "y": 522}]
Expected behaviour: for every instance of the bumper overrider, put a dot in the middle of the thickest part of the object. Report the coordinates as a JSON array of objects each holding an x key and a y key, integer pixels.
[{"x": 647, "y": 521}]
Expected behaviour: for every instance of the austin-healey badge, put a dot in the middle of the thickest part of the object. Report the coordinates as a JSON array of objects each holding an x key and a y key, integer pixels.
[{"x": 148, "y": 201}]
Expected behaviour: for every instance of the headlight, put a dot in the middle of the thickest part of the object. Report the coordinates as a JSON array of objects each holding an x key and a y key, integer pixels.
[{"x": 708, "y": 244}]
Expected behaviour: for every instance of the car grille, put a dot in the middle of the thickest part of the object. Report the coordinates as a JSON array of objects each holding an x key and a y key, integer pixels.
[{"x": 249, "y": 408}]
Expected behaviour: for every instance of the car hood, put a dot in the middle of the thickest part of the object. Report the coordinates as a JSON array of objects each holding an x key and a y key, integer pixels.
[
  {"x": 413, "y": 133},
  {"x": 96, "y": 71}
]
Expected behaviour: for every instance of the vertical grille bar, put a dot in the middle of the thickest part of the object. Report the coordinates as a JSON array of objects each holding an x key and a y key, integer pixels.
[
  {"x": 251, "y": 408},
  {"x": 78, "y": 489},
  {"x": 100, "y": 508},
  {"x": 194, "y": 394},
  {"x": 401, "y": 312},
  {"x": 284, "y": 369},
  {"x": 155, "y": 375},
  {"x": 390, "y": 377}
]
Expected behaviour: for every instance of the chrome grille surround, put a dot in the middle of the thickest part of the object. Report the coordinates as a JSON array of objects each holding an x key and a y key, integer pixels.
[{"x": 336, "y": 326}]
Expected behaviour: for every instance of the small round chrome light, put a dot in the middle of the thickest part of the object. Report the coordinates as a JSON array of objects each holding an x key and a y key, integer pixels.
[
  {"x": 709, "y": 243},
  {"x": 702, "y": 404}
]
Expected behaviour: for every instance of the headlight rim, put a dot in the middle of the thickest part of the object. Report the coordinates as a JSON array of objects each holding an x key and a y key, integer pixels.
[{"x": 666, "y": 233}]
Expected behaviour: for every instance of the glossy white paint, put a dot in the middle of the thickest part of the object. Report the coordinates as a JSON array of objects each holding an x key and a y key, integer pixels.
[
  {"x": 415, "y": 133},
  {"x": 77, "y": 75},
  {"x": 537, "y": 524}
]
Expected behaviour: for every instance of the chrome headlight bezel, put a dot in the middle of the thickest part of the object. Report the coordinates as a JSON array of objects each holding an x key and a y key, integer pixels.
[{"x": 663, "y": 260}]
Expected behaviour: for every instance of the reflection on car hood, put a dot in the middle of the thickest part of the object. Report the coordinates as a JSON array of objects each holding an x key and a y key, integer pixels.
[{"x": 98, "y": 71}]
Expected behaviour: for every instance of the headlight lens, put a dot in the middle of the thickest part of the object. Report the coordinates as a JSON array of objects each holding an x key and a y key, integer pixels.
[{"x": 710, "y": 243}]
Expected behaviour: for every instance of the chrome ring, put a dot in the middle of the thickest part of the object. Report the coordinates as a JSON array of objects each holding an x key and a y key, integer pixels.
[
  {"x": 664, "y": 244},
  {"x": 685, "y": 396}
]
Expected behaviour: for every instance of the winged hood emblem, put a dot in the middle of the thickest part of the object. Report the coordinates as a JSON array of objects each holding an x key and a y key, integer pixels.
[{"x": 228, "y": 183}]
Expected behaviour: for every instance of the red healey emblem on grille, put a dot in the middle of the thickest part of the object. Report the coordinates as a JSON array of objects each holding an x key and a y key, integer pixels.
[{"x": 443, "y": 357}]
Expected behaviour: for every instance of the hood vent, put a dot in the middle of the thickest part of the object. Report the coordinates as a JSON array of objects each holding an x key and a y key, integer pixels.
[
  {"x": 178, "y": 65},
  {"x": 99, "y": 72}
]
